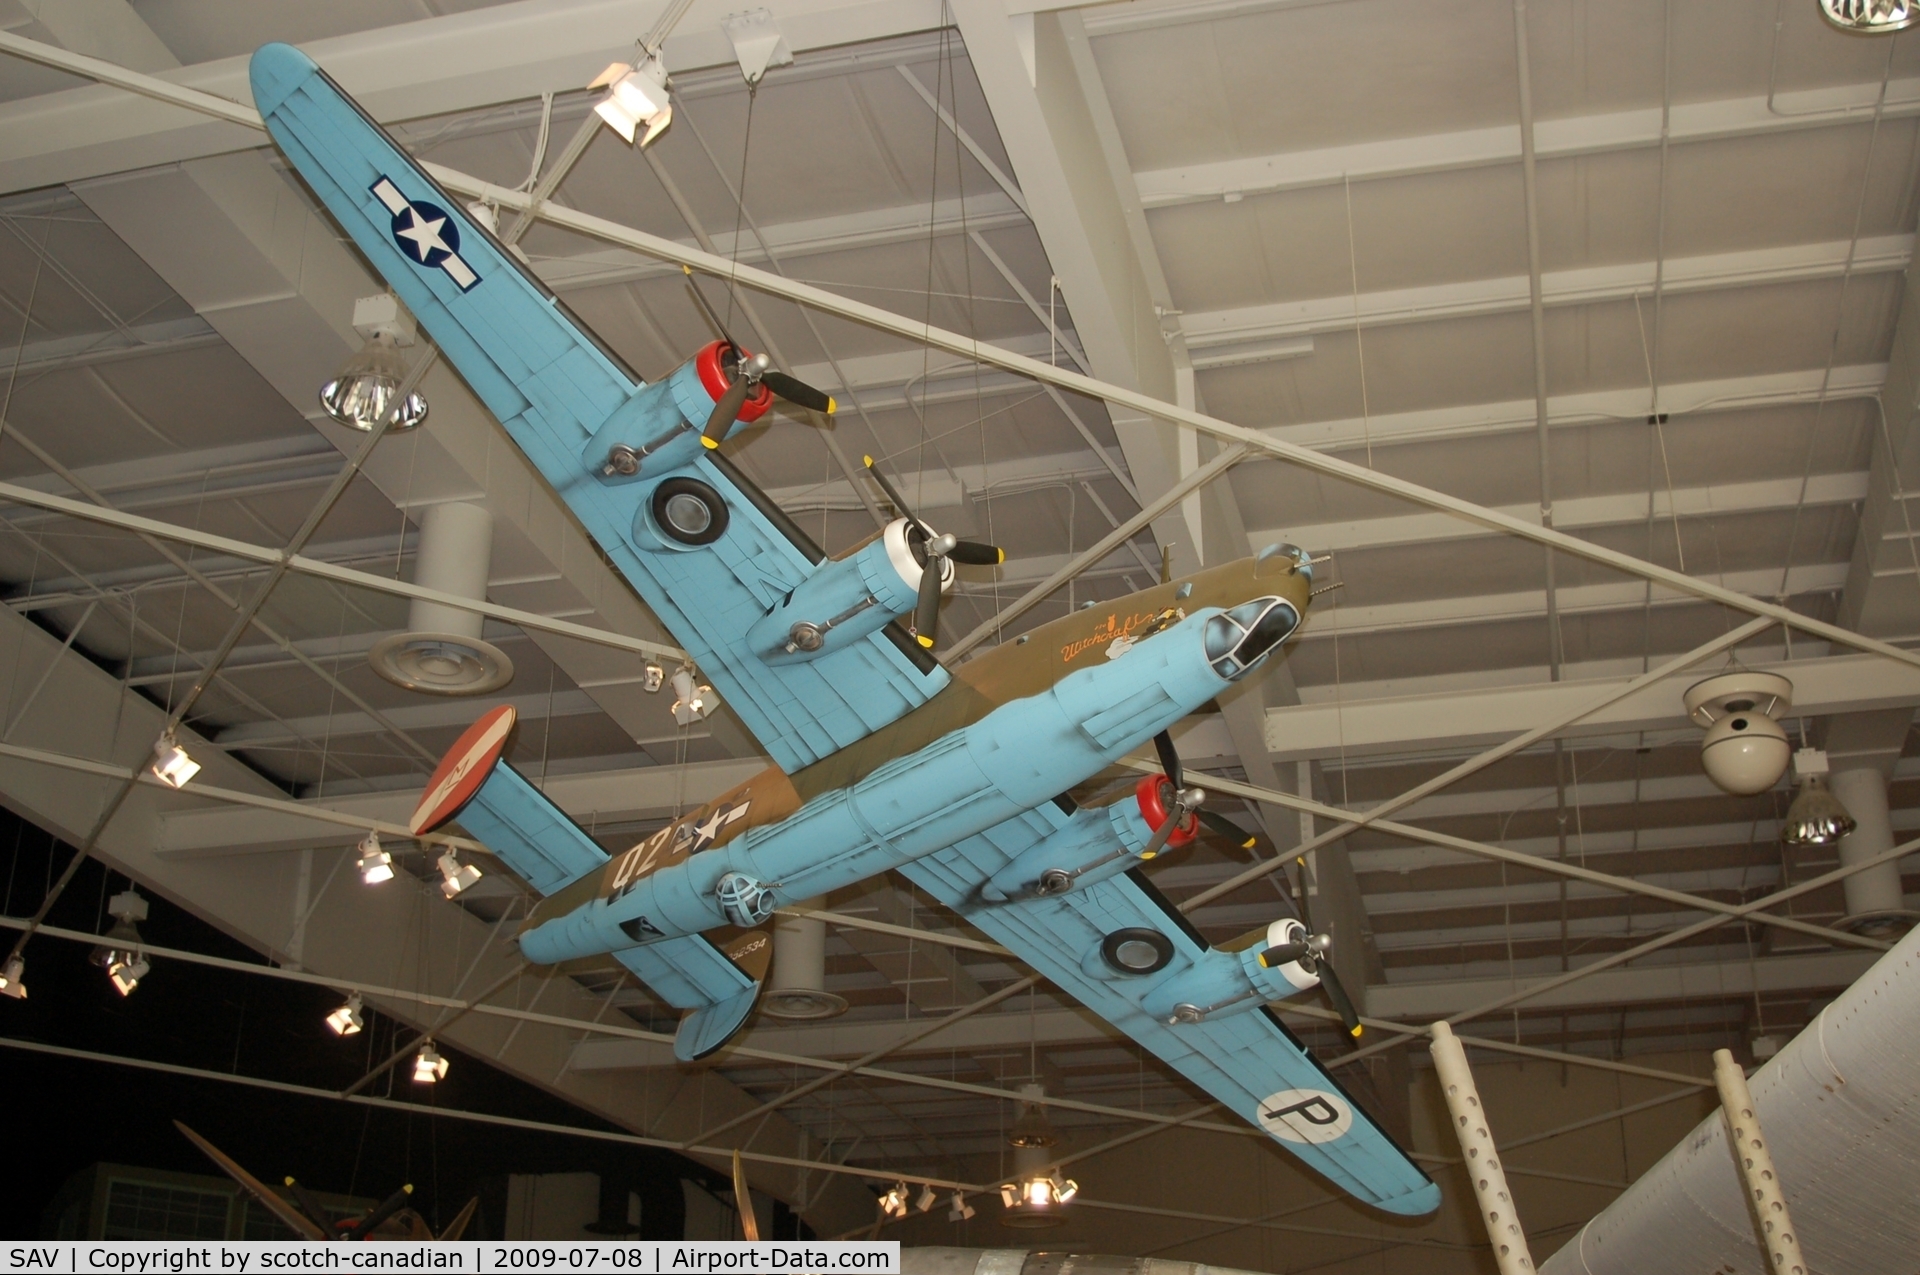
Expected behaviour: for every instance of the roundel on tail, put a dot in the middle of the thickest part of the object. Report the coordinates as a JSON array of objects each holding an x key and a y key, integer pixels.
[{"x": 465, "y": 767}]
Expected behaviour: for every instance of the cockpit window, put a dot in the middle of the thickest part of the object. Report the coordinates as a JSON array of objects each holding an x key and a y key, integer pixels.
[{"x": 1236, "y": 640}]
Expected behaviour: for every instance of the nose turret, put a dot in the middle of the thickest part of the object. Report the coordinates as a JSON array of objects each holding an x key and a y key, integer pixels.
[{"x": 1236, "y": 640}]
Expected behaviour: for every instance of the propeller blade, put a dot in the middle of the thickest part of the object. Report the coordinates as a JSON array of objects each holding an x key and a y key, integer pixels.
[
  {"x": 1169, "y": 757},
  {"x": 693, "y": 282},
  {"x": 297, "y": 1222},
  {"x": 799, "y": 393},
  {"x": 926, "y": 612},
  {"x": 743, "y": 1201},
  {"x": 974, "y": 554},
  {"x": 461, "y": 1220},
  {"x": 1338, "y": 995},
  {"x": 311, "y": 1207},
  {"x": 1225, "y": 827},
  {"x": 386, "y": 1209},
  {"x": 1285, "y": 953},
  {"x": 1185, "y": 802},
  {"x": 1328, "y": 978},
  {"x": 724, "y": 413},
  {"x": 893, "y": 497}
]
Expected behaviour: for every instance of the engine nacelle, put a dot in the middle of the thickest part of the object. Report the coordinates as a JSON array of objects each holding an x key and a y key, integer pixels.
[
  {"x": 844, "y": 601},
  {"x": 1232, "y": 982},
  {"x": 1100, "y": 842}
]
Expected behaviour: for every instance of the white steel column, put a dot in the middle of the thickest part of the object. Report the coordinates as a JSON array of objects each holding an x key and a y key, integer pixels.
[
  {"x": 1482, "y": 1158},
  {"x": 1750, "y": 1152}
]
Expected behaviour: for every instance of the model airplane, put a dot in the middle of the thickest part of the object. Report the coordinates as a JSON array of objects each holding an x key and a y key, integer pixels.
[
  {"x": 391, "y": 1219},
  {"x": 884, "y": 758}
]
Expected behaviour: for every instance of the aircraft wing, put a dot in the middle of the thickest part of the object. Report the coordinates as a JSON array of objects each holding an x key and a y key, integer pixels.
[
  {"x": 1249, "y": 1060},
  {"x": 553, "y": 385}
]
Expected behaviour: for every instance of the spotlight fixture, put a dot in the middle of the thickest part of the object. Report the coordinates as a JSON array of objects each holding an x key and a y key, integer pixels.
[
  {"x": 13, "y": 979},
  {"x": 126, "y": 969},
  {"x": 1870, "y": 17},
  {"x": 652, "y": 677},
  {"x": 894, "y": 1202},
  {"x": 346, "y": 1020},
  {"x": 958, "y": 1210},
  {"x": 636, "y": 95},
  {"x": 692, "y": 700},
  {"x": 927, "y": 1198},
  {"x": 120, "y": 955},
  {"x": 1009, "y": 1194},
  {"x": 362, "y": 394},
  {"x": 1032, "y": 1198},
  {"x": 1816, "y": 817},
  {"x": 375, "y": 864},
  {"x": 455, "y": 876},
  {"x": 429, "y": 1068},
  {"x": 171, "y": 765}
]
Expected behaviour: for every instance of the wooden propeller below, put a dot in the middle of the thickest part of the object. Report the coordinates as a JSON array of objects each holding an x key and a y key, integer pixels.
[{"x": 743, "y": 1201}]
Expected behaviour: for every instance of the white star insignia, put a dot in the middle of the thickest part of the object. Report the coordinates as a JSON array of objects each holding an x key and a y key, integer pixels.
[{"x": 425, "y": 234}]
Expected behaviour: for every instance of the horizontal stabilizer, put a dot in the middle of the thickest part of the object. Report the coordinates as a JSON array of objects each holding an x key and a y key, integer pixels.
[
  {"x": 528, "y": 833},
  {"x": 692, "y": 973}
]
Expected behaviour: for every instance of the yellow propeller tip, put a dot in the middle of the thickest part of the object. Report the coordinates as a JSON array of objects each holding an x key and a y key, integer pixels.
[
  {"x": 1356, "y": 1032},
  {"x": 1000, "y": 555},
  {"x": 289, "y": 1181},
  {"x": 925, "y": 641},
  {"x": 867, "y": 461},
  {"x": 685, "y": 268},
  {"x": 1249, "y": 843},
  {"x": 832, "y": 404},
  {"x": 708, "y": 443},
  {"x": 408, "y": 1188}
]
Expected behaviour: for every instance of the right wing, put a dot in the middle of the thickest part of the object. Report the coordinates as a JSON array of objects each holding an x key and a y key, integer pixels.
[
  {"x": 556, "y": 389},
  {"x": 1248, "y": 1060}
]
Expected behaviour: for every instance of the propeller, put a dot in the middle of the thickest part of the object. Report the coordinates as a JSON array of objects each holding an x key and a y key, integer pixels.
[
  {"x": 384, "y": 1210},
  {"x": 743, "y": 1202},
  {"x": 972, "y": 553},
  {"x": 296, "y": 1221},
  {"x": 1216, "y": 823},
  {"x": 1321, "y": 962},
  {"x": 311, "y": 1207},
  {"x": 458, "y": 1227},
  {"x": 754, "y": 371}
]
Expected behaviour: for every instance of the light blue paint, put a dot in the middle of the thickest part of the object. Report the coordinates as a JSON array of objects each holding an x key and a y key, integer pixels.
[
  {"x": 558, "y": 392},
  {"x": 1017, "y": 757}
]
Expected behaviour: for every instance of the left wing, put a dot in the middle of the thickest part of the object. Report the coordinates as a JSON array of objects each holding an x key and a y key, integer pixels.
[
  {"x": 562, "y": 395},
  {"x": 1248, "y": 1060}
]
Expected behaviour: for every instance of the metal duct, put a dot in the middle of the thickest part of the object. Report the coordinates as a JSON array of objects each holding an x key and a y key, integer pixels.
[
  {"x": 797, "y": 988},
  {"x": 1841, "y": 1109},
  {"x": 442, "y": 652}
]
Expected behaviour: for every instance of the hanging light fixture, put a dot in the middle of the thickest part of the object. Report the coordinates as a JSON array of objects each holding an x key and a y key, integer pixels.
[
  {"x": 121, "y": 955},
  {"x": 346, "y": 1020},
  {"x": 1870, "y": 17},
  {"x": 692, "y": 701},
  {"x": 927, "y": 1198},
  {"x": 636, "y": 95},
  {"x": 1033, "y": 1197},
  {"x": 362, "y": 394},
  {"x": 1816, "y": 817},
  {"x": 894, "y": 1202},
  {"x": 375, "y": 864},
  {"x": 652, "y": 677},
  {"x": 455, "y": 876},
  {"x": 958, "y": 1210},
  {"x": 429, "y": 1068},
  {"x": 12, "y": 979},
  {"x": 171, "y": 765}
]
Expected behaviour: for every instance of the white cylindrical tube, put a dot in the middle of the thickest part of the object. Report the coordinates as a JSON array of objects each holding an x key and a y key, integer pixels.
[
  {"x": 1877, "y": 890},
  {"x": 1756, "y": 1167},
  {"x": 454, "y": 556},
  {"x": 1489, "y": 1180},
  {"x": 797, "y": 986}
]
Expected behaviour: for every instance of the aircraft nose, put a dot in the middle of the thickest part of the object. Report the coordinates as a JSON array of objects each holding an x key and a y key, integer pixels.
[{"x": 1236, "y": 640}]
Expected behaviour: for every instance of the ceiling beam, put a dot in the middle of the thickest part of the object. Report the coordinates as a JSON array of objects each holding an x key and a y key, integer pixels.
[
  {"x": 1592, "y": 285},
  {"x": 460, "y": 62},
  {"x": 1840, "y": 105},
  {"x": 1464, "y": 719}
]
